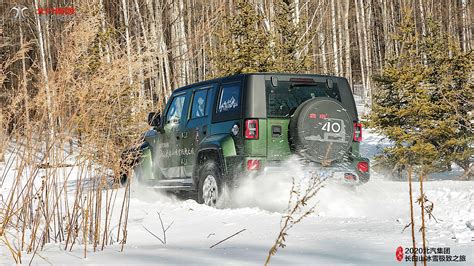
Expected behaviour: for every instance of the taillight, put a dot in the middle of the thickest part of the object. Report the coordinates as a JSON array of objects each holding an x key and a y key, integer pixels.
[
  {"x": 350, "y": 177},
  {"x": 251, "y": 129},
  {"x": 253, "y": 165},
  {"x": 357, "y": 132},
  {"x": 363, "y": 167}
]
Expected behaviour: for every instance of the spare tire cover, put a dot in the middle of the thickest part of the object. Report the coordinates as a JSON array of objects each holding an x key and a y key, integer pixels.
[{"x": 321, "y": 130}]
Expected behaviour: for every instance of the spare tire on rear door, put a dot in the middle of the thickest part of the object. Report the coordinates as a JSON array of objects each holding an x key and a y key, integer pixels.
[{"x": 321, "y": 130}]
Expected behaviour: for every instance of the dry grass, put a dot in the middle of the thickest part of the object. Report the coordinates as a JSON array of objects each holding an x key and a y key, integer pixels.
[
  {"x": 299, "y": 207},
  {"x": 61, "y": 163}
]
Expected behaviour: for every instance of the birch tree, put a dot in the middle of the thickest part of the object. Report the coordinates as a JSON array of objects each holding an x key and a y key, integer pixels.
[
  {"x": 347, "y": 36},
  {"x": 335, "y": 48}
]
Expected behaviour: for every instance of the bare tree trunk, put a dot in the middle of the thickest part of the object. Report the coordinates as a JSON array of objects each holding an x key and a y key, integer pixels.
[
  {"x": 24, "y": 83},
  {"x": 348, "y": 41},
  {"x": 322, "y": 45},
  {"x": 423, "y": 27},
  {"x": 47, "y": 48},
  {"x": 44, "y": 71},
  {"x": 334, "y": 38},
  {"x": 267, "y": 10},
  {"x": 139, "y": 52},
  {"x": 385, "y": 22},
  {"x": 155, "y": 48},
  {"x": 180, "y": 48},
  {"x": 297, "y": 12},
  {"x": 127, "y": 40},
  {"x": 361, "y": 46},
  {"x": 102, "y": 22},
  {"x": 141, "y": 75},
  {"x": 366, "y": 30},
  {"x": 163, "y": 55},
  {"x": 465, "y": 32},
  {"x": 396, "y": 48},
  {"x": 422, "y": 17},
  {"x": 340, "y": 38}
]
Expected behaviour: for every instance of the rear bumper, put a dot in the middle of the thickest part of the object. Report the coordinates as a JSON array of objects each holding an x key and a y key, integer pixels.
[
  {"x": 339, "y": 173},
  {"x": 346, "y": 172}
]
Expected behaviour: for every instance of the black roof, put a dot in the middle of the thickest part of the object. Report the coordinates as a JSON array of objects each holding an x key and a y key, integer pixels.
[{"x": 236, "y": 76}]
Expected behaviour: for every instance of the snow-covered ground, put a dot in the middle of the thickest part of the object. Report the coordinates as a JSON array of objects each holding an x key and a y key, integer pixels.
[{"x": 362, "y": 225}]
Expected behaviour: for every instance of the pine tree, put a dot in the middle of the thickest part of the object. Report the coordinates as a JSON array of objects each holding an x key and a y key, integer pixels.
[
  {"x": 289, "y": 41},
  {"x": 450, "y": 75},
  {"x": 422, "y": 101},
  {"x": 244, "y": 45}
]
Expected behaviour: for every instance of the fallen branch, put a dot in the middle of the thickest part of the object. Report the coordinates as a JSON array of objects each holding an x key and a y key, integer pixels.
[
  {"x": 157, "y": 237},
  {"x": 163, "y": 241},
  {"x": 163, "y": 228},
  {"x": 227, "y": 238}
]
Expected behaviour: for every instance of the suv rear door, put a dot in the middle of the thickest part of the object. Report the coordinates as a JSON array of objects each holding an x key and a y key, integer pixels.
[
  {"x": 282, "y": 100},
  {"x": 197, "y": 124}
]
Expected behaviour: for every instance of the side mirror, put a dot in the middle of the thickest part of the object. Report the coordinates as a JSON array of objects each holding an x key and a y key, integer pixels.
[{"x": 154, "y": 119}]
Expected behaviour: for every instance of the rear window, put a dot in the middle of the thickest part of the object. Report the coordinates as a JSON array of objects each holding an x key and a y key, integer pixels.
[
  {"x": 283, "y": 99},
  {"x": 229, "y": 100}
]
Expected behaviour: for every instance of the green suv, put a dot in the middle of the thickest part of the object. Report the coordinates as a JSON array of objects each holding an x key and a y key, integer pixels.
[{"x": 213, "y": 132}]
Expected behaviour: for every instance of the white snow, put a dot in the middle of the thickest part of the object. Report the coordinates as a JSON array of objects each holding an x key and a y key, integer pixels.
[{"x": 361, "y": 225}]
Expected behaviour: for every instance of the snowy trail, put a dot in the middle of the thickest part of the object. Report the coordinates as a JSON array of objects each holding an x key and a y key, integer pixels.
[{"x": 350, "y": 226}]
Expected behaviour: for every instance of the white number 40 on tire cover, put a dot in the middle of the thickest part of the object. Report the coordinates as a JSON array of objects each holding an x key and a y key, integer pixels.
[{"x": 331, "y": 127}]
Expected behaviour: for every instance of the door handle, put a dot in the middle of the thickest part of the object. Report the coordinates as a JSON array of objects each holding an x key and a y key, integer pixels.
[{"x": 204, "y": 129}]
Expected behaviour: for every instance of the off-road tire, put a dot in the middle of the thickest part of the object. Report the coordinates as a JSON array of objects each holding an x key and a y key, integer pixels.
[{"x": 210, "y": 182}]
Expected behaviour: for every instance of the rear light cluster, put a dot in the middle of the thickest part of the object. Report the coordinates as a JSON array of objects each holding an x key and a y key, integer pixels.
[
  {"x": 253, "y": 165},
  {"x": 357, "y": 132},
  {"x": 363, "y": 167},
  {"x": 251, "y": 132},
  {"x": 251, "y": 129},
  {"x": 350, "y": 177}
]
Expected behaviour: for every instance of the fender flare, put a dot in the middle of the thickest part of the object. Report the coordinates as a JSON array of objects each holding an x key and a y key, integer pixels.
[{"x": 218, "y": 147}]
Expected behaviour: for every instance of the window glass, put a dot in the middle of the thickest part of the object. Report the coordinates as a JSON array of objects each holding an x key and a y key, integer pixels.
[
  {"x": 199, "y": 104},
  {"x": 283, "y": 100},
  {"x": 230, "y": 98},
  {"x": 176, "y": 110}
]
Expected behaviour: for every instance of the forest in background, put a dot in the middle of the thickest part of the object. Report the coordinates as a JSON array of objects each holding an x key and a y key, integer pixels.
[{"x": 182, "y": 41}]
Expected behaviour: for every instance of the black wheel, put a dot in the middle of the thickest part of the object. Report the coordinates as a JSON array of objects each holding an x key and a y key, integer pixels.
[
  {"x": 126, "y": 169},
  {"x": 123, "y": 178},
  {"x": 128, "y": 174},
  {"x": 210, "y": 190}
]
